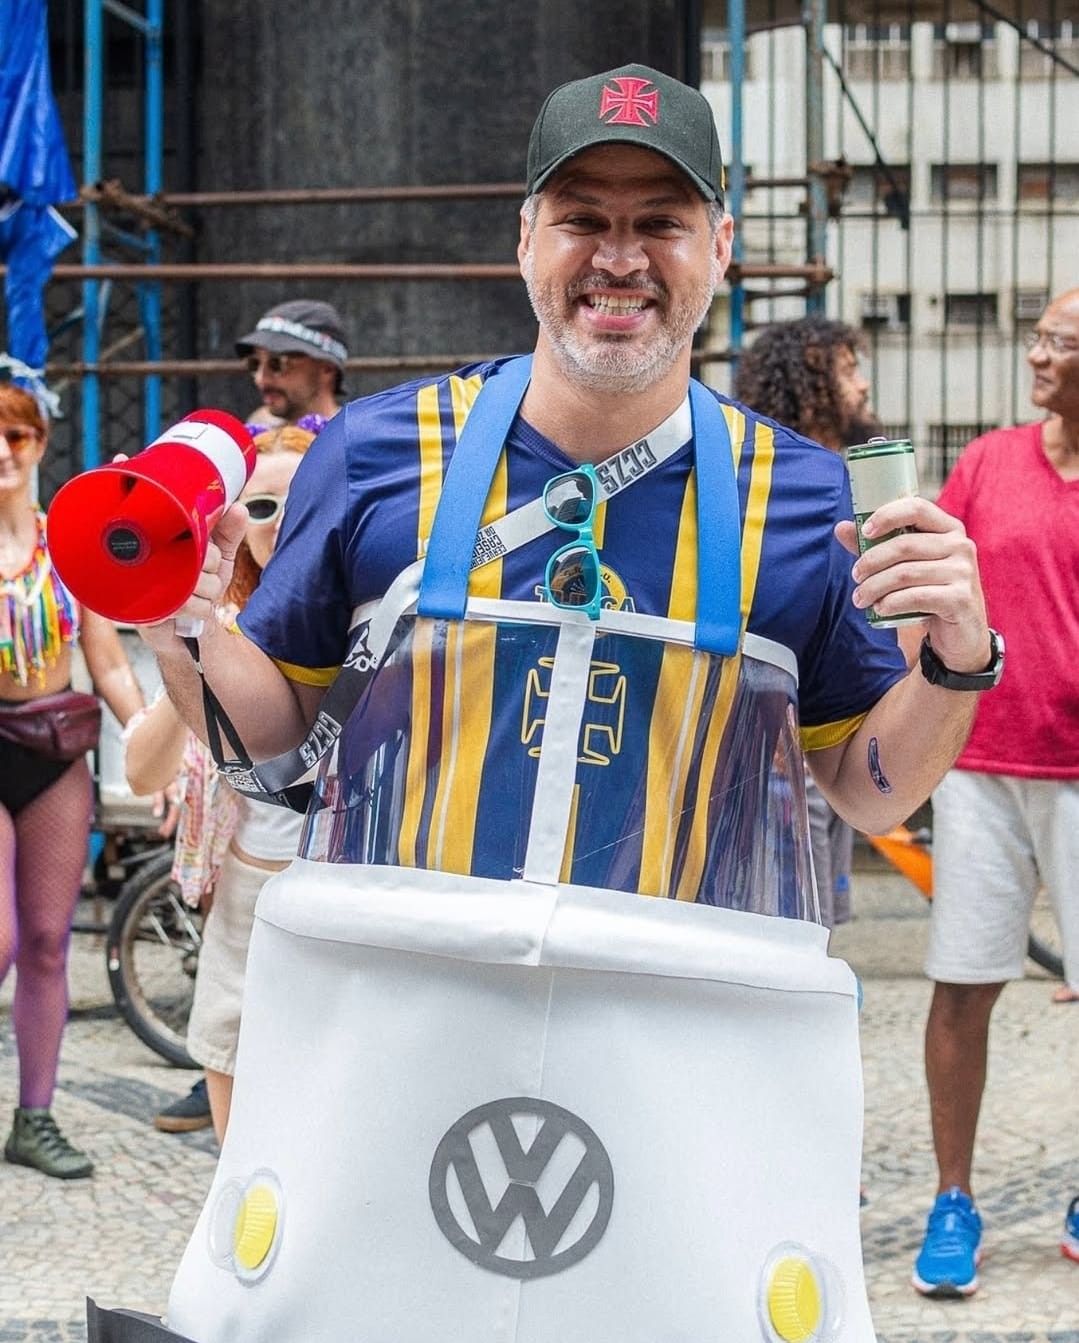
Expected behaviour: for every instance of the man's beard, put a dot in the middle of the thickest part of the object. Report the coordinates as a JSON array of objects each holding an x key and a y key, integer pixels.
[
  {"x": 601, "y": 364},
  {"x": 860, "y": 428}
]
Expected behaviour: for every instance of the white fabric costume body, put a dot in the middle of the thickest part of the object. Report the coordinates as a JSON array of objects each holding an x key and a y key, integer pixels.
[{"x": 528, "y": 1110}]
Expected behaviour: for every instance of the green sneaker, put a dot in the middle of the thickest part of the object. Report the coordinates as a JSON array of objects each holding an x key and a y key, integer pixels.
[{"x": 36, "y": 1141}]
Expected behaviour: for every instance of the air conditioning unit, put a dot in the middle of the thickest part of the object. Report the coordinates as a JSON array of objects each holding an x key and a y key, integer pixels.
[
  {"x": 962, "y": 33},
  {"x": 1029, "y": 304},
  {"x": 885, "y": 311}
]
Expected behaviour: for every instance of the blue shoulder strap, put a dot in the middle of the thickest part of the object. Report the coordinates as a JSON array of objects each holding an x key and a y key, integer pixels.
[
  {"x": 444, "y": 586},
  {"x": 719, "y": 527}
]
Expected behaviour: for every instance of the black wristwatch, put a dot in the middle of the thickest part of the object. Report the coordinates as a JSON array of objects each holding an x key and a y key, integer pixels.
[{"x": 936, "y": 673}]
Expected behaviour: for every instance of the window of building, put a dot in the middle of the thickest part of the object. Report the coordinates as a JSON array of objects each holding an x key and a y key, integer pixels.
[
  {"x": 885, "y": 312},
  {"x": 1062, "y": 37},
  {"x": 897, "y": 430},
  {"x": 884, "y": 191},
  {"x": 946, "y": 442},
  {"x": 964, "y": 51},
  {"x": 970, "y": 309},
  {"x": 874, "y": 51},
  {"x": 962, "y": 182},
  {"x": 1042, "y": 182},
  {"x": 716, "y": 58},
  {"x": 1029, "y": 304}
]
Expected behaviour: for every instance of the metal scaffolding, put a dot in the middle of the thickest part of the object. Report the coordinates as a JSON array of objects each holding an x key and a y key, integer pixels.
[
  {"x": 94, "y": 297},
  {"x": 838, "y": 222}
]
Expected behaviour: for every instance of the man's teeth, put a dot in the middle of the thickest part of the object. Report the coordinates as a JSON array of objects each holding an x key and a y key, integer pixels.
[{"x": 610, "y": 303}]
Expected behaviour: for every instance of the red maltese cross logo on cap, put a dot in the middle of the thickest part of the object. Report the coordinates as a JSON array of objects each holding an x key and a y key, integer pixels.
[{"x": 629, "y": 103}]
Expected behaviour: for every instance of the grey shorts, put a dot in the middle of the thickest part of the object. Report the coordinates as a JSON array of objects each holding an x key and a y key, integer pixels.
[{"x": 997, "y": 840}]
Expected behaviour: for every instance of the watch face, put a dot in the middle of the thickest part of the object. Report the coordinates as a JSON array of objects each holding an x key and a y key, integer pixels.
[
  {"x": 996, "y": 665},
  {"x": 936, "y": 673}
]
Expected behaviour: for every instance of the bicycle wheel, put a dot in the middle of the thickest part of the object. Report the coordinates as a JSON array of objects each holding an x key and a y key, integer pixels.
[
  {"x": 152, "y": 953},
  {"x": 1044, "y": 945}
]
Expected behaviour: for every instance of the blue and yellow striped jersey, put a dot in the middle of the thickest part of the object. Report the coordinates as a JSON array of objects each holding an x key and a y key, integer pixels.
[{"x": 363, "y": 501}]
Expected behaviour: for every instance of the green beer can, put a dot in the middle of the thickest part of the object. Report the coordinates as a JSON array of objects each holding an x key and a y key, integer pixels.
[{"x": 882, "y": 470}]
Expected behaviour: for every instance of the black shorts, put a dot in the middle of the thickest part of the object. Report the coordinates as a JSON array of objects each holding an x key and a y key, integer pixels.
[{"x": 25, "y": 775}]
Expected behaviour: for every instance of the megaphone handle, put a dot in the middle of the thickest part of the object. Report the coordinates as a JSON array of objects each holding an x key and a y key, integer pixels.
[{"x": 188, "y": 628}]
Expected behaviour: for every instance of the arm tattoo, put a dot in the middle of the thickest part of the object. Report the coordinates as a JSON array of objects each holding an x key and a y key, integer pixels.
[{"x": 875, "y": 772}]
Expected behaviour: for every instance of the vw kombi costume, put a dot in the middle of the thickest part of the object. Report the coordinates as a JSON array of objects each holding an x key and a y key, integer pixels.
[{"x": 489, "y": 1087}]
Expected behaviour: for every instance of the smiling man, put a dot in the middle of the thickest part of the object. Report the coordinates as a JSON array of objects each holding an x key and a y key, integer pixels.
[
  {"x": 579, "y": 604},
  {"x": 623, "y": 238}
]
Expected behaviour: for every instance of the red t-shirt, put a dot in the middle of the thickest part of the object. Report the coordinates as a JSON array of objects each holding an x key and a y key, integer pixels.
[{"x": 1024, "y": 520}]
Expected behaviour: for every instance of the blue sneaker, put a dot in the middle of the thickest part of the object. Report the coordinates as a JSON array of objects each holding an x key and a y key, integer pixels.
[
  {"x": 1069, "y": 1242},
  {"x": 951, "y": 1251}
]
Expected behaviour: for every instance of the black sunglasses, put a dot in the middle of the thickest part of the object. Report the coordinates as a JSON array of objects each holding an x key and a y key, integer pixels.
[
  {"x": 276, "y": 364},
  {"x": 262, "y": 508}
]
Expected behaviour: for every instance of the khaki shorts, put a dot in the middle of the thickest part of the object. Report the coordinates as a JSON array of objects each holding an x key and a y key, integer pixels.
[
  {"x": 214, "y": 1024},
  {"x": 996, "y": 840}
]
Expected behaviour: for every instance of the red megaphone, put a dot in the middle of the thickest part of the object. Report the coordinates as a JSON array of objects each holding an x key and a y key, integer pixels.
[{"x": 128, "y": 539}]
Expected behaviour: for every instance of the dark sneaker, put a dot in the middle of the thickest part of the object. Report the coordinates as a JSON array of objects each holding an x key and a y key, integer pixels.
[
  {"x": 36, "y": 1141},
  {"x": 951, "y": 1251},
  {"x": 1069, "y": 1242},
  {"x": 188, "y": 1113}
]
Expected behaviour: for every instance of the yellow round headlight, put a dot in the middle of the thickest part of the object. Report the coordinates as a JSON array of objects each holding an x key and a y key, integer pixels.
[
  {"x": 255, "y": 1227},
  {"x": 794, "y": 1300},
  {"x": 245, "y": 1221}
]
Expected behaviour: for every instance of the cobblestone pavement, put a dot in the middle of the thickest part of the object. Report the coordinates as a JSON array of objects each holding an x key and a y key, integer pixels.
[{"x": 119, "y": 1236}]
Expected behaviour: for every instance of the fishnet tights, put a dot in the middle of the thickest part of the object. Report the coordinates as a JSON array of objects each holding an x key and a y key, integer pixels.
[{"x": 42, "y": 854}]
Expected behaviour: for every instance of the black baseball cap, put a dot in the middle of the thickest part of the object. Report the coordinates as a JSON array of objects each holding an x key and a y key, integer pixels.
[
  {"x": 631, "y": 105},
  {"x": 301, "y": 326}
]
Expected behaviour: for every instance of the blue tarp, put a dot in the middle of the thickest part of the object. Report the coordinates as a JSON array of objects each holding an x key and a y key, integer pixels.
[{"x": 35, "y": 174}]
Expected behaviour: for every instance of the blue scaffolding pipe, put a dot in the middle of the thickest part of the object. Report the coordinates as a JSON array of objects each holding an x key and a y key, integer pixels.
[
  {"x": 93, "y": 103},
  {"x": 150, "y": 291},
  {"x": 736, "y": 177},
  {"x": 150, "y": 26}
]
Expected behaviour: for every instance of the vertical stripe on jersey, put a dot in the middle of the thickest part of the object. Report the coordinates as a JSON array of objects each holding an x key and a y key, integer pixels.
[
  {"x": 674, "y": 716},
  {"x": 429, "y": 425},
  {"x": 439, "y": 803},
  {"x": 566, "y": 873},
  {"x": 716, "y": 718},
  {"x": 468, "y": 697},
  {"x": 467, "y": 712},
  {"x": 437, "y": 434},
  {"x": 420, "y": 731},
  {"x": 463, "y": 393},
  {"x": 760, "y": 484}
]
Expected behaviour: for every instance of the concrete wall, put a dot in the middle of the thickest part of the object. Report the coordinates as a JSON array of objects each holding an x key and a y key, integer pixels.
[{"x": 387, "y": 93}]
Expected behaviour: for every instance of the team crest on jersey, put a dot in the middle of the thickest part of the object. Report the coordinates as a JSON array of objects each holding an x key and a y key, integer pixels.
[{"x": 627, "y": 103}]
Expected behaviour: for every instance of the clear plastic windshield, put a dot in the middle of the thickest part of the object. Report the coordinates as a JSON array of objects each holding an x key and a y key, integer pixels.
[{"x": 651, "y": 768}]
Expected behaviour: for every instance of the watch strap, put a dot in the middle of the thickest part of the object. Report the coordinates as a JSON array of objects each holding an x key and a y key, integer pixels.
[{"x": 936, "y": 673}]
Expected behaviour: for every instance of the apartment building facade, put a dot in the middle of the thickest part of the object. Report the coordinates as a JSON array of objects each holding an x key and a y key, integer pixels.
[{"x": 959, "y": 144}]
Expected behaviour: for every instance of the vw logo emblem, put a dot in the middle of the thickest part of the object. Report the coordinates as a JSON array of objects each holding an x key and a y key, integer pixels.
[{"x": 526, "y": 1161}]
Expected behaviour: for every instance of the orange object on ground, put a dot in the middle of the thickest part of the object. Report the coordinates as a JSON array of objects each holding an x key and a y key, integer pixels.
[{"x": 903, "y": 851}]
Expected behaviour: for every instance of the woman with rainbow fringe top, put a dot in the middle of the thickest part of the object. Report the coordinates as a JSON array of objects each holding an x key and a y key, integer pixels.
[{"x": 46, "y": 805}]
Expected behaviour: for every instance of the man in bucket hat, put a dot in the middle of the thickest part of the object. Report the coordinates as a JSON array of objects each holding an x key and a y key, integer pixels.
[{"x": 296, "y": 355}]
